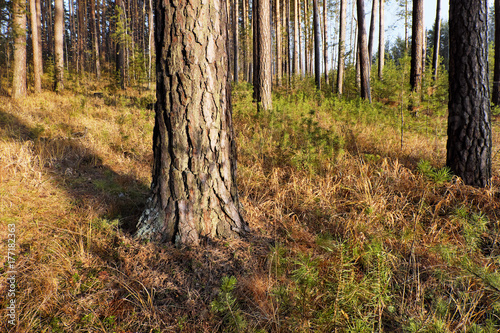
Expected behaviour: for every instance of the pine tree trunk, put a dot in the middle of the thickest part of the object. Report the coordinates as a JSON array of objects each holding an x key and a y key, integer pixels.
[
  {"x": 256, "y": 50},
  {"x": 36, "y": 52},
  {"x": 342, "y": 36},
  {"x": 381, "y": 42},
  {"x": 416, "y": 46},
  {"x": 58, "y": 46},
  {"x": 295, "y": 68},
  {"x": 496, "y": 69},
  {"x": 150, "y": 42},
  {"x": 325, "y": 41},
  {"x": 469, "y": 120},
  {"x": 301, "y": 71},
  {"x": 39, "y": 28},
  {"x": 373, "y": 22},
  {"x": 95, "y": 40},
  {"x": 194, "y": 193},
  {"x": 279, "y": 39},
  {"x": 19, "y": 67},
  {"x": 317, "y": 59},
  {"x": 235, "y": 39},
  {"x": 264, "y": 41},
  {"x": 364, "y": 59}
]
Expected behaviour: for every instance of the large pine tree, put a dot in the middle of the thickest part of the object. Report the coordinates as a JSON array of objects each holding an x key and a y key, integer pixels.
[
  {"x": 194, "y": 192},
  {"x": 469, "y": 127}
]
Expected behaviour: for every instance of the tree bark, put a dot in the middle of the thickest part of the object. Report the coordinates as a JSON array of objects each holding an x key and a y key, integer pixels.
[
  {"x": 373, "y": 22},
  {"x": 58, "y": 46},
  {"x": 364, "y": 59},
  {"x": 39, "y": 28},
  {"x": 279, "y": 39},
  {"x": 256, "y": 50},
  {"x": 194, "y": 193},
  {"x": 295, "y": 68},
  {"x": 469, "y": 120},
  {"x": 496, "y": 70},
  {"x": 381, "y": 42},
  {"x": 95, "y": 40},
  {"x": 264, "y": 55},
  {"x": 416, "y": 46},
  {"x": 325, "y": 41},
  {"x": 235, "y": 40},
  {"x": 317, "y": 59},
  {"x": 342, "y": 36},
  {"x": 19, "y": 66},
  {"x": 35, "y": 39},
  {"x": 150, "y": 42}
]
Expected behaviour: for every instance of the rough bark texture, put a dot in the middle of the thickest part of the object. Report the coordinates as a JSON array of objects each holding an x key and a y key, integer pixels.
[
  {"x": 39, "y": 28},
  {"x": 256, "y": 50},
  {"x": 264, "y": 55},
  {"x": 317, "y": 59},
  {"x": 325, "y": 40},
  {"x": 37, "y": 73},
  {"x": 469, "y": 126},
  {"x": 342, "y": 36},
  {"x": 59, "y": 45},
  {"x": 381, "y": 41},
  {"x": 95, "y": 40},
  {"x": 194, "y": 192},
  {"x": 364, "y": 59},
  {"x": 19, "y": 66},
  {"x": 417, "y": 42},
  {"x": 496, "y": 71}
]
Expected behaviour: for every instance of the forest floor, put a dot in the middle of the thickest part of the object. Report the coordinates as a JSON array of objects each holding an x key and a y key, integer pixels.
[{"x": 355, "y": 227}]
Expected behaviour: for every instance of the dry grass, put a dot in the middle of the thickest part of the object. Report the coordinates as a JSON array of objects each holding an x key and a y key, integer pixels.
[{"x": 345, "y": 238}]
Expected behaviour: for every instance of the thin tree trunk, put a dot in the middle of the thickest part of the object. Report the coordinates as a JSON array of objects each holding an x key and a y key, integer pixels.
[
  {"x": 416, "y": 46},
  {"x": 373, "y": 22},
  {"x": 264, "y": 59},
  {"x": 295, "y": 69},
  {"x": 364, "y": 59},
  {"x": 299, "y": 7},
  {"x": 194, "y": 192},
  {"x": 325, "y": 41},
  {"x": 496, "y": 69},
  {"x": 35, "y": 42},
  {"x": 95, "y": 40},
  {"x": 437, "y": 38},
  {"x": 469, "y": 119},
  {"x": 150, "y": 42},
  {"x": 306, "y": 38},
  {"x": 39, "y": 29},
  {"x": 256, "y": 49},
  {"x": 317, "y": 59},
  {"x": 381, "y": 42},
  {"x": 236, "y": 39},
  {"x": 342, "y": 36},
  {"x": 59, "y": 45},
  {"x": 19, "y": 67},
  {"x": 279, "y": 50}
]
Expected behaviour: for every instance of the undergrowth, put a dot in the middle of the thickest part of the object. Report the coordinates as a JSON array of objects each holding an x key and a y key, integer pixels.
[{"x": 357, "y": 226}]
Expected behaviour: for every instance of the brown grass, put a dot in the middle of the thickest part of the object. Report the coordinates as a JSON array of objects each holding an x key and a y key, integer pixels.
[{"x": 74, "y": 174}]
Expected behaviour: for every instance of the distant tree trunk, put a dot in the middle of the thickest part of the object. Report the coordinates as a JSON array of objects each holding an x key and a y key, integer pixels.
[
  {"x": 469, "y": 119},
  {"x": 279, "y": 38},
  {"x": 19, "y": 67},
  {"x": 306, "y": 39},
  {"x": 39, "y": 28},
  {"x": 381, "y": 42},
  {"x": 416, "y": 46},
  {"x": 317, "y": 59},
  {"x": 364, "y": 60},
  {"x": 81, "y": 33},
  {"x": 373, "y": 22},
  {"x": 120, "y": 45},
  {"x": 325, "y": 41},
  {"x": 35, "y": 39},
  {"x": 342, "y": 36},
  {"x": 59, "y": 44},
  {"x": 235, "y": 40},
  {"x": 264, "y": 55},
  {"x": 95, "y": 40},
  {"x": 287, "y": 39},
  {"x": 496, "y": 70},
  {"x": 256, "y": 50},
  {"x": 300, "y": 68},
  {"x": 150, "y": 42},
  {"x": 194, "y": 192},
  {"x": 296, "y": 14}
]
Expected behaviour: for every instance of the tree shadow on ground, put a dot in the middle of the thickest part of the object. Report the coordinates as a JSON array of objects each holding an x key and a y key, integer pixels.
[{"x": 81, "y": 172}]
